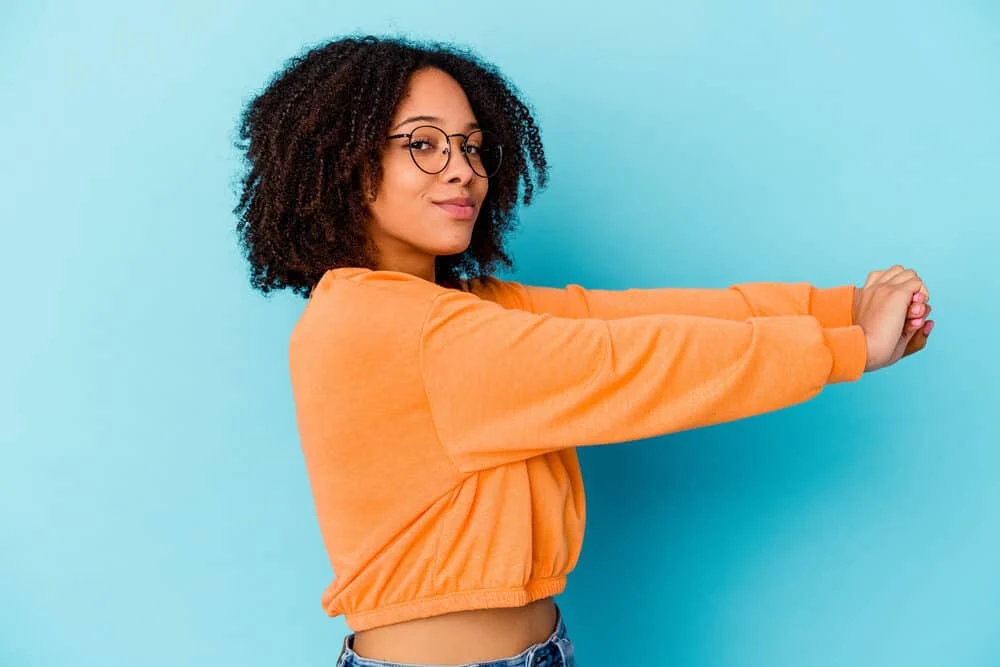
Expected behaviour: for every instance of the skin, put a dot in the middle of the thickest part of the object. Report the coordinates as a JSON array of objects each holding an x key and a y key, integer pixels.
[
  {"x": 476, "y": 635},
  {"x": 899, "y": 293},
  {"x": 409, "y": 230}
]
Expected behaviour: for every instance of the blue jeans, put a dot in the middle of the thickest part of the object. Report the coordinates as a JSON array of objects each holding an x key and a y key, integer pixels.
[{"x": 556, "y": 651}]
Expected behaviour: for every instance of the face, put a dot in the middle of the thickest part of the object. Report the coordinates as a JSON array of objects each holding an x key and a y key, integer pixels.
[{"x": 411, "y": 220}]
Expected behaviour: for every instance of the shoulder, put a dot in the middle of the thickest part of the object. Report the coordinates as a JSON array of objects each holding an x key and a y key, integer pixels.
[
  {"x": 357, "y": 308},
  {"x": 506, "y": 293}
]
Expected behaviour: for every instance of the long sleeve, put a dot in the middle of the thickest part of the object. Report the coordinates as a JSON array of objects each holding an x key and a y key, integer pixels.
[
  {"x": 832, "y": 306},
  {"x": 505, "y": 384}
]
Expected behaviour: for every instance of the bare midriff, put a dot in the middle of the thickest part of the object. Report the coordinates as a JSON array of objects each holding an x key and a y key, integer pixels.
[{"x": 477, "y": 635}]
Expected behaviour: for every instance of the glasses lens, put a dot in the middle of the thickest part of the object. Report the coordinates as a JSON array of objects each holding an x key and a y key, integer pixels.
[
  {"x": 429, "y": 148},
  {"x": 484, "y": 152}
]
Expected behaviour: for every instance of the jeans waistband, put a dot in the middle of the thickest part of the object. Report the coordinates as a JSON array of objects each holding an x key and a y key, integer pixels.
[{"x": 556, "y": 651}]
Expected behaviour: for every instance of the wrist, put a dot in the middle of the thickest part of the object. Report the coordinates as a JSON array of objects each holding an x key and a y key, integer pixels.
[{"x": 856, "y": 304}]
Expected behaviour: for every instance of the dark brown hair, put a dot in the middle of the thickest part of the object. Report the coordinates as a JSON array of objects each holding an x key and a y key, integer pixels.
[{"x": 321, "y": 124}]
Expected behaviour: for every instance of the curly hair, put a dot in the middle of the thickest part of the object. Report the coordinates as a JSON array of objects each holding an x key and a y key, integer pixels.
[{"x": 312, "y": 144}]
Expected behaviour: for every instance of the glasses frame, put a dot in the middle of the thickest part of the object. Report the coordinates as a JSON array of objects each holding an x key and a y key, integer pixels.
[{"x": 465, "y": 142}]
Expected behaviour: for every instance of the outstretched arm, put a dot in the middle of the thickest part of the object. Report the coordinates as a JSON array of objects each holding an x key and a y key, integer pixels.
[
  {"x": 505, "y": 385},
  {"x": 832, "y": 307}
]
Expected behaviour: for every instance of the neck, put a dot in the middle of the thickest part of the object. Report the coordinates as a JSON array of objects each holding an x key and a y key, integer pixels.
[{"x": 419, "y": 267}]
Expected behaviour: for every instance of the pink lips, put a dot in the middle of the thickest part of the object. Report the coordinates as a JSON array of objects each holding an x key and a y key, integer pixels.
[{"x": 460, "y": 208}]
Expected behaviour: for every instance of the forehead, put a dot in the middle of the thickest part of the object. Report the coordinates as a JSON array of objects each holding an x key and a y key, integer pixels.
[{"x": 432, "y": 92}]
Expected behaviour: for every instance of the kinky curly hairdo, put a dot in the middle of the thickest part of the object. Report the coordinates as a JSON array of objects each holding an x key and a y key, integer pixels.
[{"x": 320, "y": 126}]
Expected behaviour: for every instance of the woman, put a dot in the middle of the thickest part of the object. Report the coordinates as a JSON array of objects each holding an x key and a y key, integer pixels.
[{"x": 439, "y": 407}]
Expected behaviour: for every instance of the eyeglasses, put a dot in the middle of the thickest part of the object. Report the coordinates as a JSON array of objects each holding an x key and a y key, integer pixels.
[{"x": 430, "y": 148}]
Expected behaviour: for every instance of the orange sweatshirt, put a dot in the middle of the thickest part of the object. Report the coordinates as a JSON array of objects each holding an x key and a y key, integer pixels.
[{"x": 439, "y": 426}]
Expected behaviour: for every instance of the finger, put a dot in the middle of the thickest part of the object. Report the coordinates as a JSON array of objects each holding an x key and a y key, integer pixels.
[
  {"x": 915, "y": 344},
  {"x": 912, "y": 328},
  {"x": 921, "y": 334},
  {"x": 901, "y": 277},
  {"x": 873, "y": 278},
  {"x": 910, "y": 285},
  {"x": 914, "y": 322},
  {"x": 919, "y": 310},
  {"x": 891, "y": 272}
]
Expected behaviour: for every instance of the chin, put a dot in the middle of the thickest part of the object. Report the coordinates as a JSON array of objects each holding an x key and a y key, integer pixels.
[
  {"x": 447, "y": 251},
  {"x": 452, "y": 246}
]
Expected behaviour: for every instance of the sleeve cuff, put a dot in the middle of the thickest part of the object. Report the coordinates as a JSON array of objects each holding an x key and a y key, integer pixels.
[
  {"x": 850, "y": 353},
  {"x": 833, "y": 306}
]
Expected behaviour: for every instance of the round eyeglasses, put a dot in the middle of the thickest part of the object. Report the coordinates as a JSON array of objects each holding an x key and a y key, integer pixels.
[{"x": 430, "y": 148}]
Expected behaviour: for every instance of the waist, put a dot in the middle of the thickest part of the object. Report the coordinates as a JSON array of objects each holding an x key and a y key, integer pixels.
[{"x": 474, "y": 635}]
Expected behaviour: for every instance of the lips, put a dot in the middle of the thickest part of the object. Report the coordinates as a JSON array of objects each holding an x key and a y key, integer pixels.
[
  {"x": 461, "y": 208},
  {"x": 458, "y": 201}
]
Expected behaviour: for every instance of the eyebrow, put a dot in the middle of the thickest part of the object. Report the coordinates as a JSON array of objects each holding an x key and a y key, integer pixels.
[{"x": 433, "y": 119}]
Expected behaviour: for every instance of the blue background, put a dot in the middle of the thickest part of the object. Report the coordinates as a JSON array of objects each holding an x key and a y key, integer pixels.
[{"x": 154, "y": 508}]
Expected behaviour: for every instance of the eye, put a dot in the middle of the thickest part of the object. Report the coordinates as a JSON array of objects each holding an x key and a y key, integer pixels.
[{"x": 419, "y": 145}]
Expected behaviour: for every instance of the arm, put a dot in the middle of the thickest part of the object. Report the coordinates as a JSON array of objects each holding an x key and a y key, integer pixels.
[
  {"x": 505, "y": 385},
  {"x": 831, "y": 306}
]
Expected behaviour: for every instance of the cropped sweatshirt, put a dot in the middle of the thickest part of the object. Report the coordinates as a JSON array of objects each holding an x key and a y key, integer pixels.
[{"x": 439, "y": 426}]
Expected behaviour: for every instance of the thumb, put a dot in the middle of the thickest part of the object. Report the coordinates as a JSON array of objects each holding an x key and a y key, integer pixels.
[
  {"x": 908, "y": 334},
  {"x": 917, "y": 343}
]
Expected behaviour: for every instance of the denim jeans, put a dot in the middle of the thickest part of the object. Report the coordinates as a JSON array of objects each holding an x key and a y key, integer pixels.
[{"x": 556, "y": 651}]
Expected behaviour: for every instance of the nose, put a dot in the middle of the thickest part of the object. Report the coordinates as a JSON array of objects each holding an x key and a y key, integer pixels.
[{"x": 458, "y": 169}]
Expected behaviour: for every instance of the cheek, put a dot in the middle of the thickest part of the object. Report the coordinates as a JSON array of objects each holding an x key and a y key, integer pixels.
[
  {"x": 399, "y": 193},
  {"x": 479, "y": 190}
]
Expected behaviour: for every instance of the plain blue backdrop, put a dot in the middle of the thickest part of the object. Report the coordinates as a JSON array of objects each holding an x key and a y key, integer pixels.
[{"x": 154, "y": 508}]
